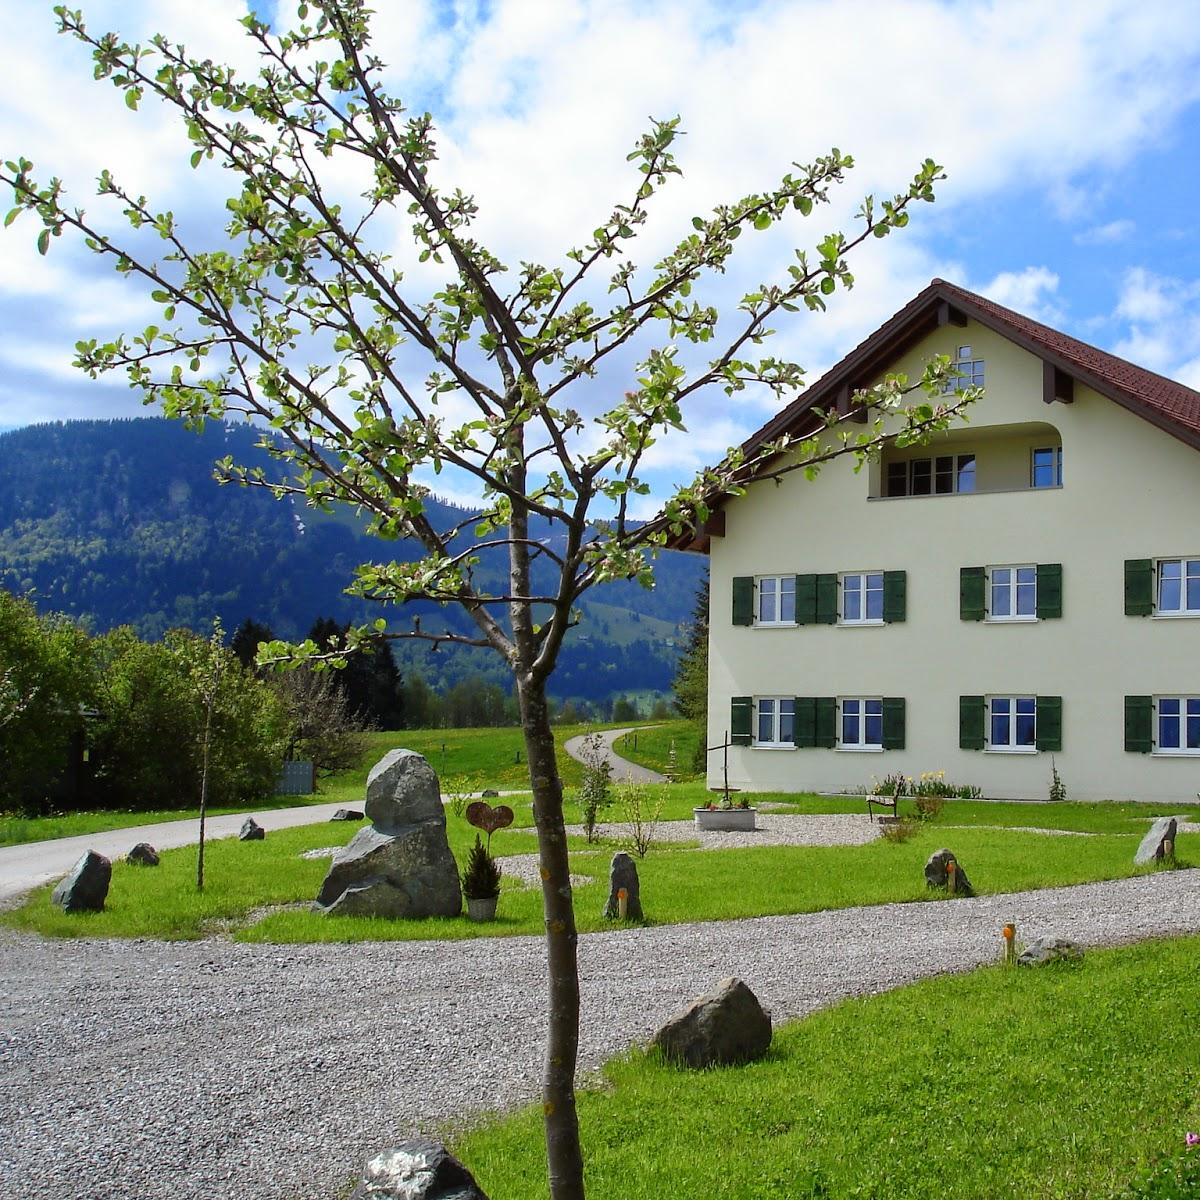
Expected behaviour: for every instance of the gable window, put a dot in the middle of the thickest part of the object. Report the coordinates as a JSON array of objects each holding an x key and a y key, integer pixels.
[
  {"x": 774, "y": 721},
  {"x": 1047, "y": 467},
  {"x": 862, "y": 598},
  {"x": 969, "y": 368},
  {"x": 1013, "y": 593},
  {"x": 860, "y": 724},
  {"x": 940, "y": 476},
  {"x": 776, "y": 600},
  {"x": 1012, "y": 723},
  {"x": 1177, "y": 724},
  {"x": 1178, "y": 586}
]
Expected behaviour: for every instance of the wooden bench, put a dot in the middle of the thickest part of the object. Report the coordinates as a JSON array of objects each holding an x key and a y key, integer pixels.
[{"x": 874, "y": 802}]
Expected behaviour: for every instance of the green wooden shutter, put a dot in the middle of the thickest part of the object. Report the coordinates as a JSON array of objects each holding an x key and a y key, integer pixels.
[
  {"x": 806, "y": 599},
  {"x": 741, "y": 720},
  {"x": 895, "y": 595},
  {"x": 1049, "y": 723},
  {"x": 743, "y": 600},
  {"x": 826, "y": 722},
  {"x": 1139, "y": 724},
  {"x": 971, "y": 719},
  {"x": 827, "y": 600},
  {"x": 893, "y": 722},
  {"x": 804, "y": 730},
  {"x": 1139, "y": 587},
  {"x": 1049, "y": 590},
  {"x": 972, "y": 593}
]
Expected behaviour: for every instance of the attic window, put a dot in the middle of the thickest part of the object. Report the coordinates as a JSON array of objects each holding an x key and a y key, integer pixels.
[{"x": 969, "y": 371}]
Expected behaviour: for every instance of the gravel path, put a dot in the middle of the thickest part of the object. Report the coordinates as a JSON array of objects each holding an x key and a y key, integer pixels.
[
  {"x": 623, "y": 770},
  {"x": 216, "y": 1071}
]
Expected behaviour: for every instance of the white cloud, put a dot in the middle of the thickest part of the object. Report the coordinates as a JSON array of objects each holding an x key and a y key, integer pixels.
[
  {"x": 1162, "y": 320},
  {"x": 1105, "y": 235},
  {"x": 1030, "y": 291}
]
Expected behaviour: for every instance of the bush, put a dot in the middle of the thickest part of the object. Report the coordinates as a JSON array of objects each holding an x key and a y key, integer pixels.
[
  {"x": 897, "y": 832},
  {"x": 595, "y": 791},
  {"x": 481, "y": 879},
  {"x": 642, "y": 813}
]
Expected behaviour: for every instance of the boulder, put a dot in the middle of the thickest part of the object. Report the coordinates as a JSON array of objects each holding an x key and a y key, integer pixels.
[
  {"x": 1048, "y": 950},
  {"x": 936, "y": 875},
  {"x": 623, "y": 874},
  {"x": 86, "y": 887},
  {"x": 251, "y": 831},
  {"x": 417, "y": 1170},
  {"x": 1152, "y": 848},
  {"x": 401, "y": 865},
  {"x": 402, "y": 789},
  {"x": 347, "y": 814},
  {"x": 143, "y": 855},
  {"x": 489, "y": 793},
  {"x": 725, "y": 1026}
]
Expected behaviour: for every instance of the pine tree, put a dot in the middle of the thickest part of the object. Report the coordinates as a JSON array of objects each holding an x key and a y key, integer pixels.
[{"x": 691, "y": 679}]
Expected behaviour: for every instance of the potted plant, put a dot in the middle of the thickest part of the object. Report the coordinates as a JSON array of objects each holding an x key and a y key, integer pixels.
[
  {"x": 481, "y": 883},
  {"x": 728, "y": 816}
]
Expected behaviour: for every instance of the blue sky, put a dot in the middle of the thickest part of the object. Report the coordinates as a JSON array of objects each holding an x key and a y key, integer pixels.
[{"x": 1070, "y": 133}]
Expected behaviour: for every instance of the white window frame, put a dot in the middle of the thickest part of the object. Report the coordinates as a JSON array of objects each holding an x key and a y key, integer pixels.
[
  {"x": 778, "y": 581},
  {"x": 932, "y": 460},
  {"x": 777, "y": 702},
  {"x": 1182, "y": 750},
  {"x": 1012, "y": 615},
  {"x": 862, "y": 576},
  {"x": 1185, "y": 562},
  {"x": 970, "y": 371},
  {"x": 1009, "y": 747},
  {"x": 1057, "y": 467},
  {"x": 861, "y": 746}
]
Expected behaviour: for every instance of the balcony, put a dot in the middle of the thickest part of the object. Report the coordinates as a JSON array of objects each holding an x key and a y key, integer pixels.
[{"x": 1000, "y": 458}]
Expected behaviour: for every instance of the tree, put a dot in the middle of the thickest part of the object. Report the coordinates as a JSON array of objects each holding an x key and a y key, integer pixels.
[
  {"x": 247, "y": 638},
  {"x": 324, "y": 730},
  {"x": 691, "y": 679},
  {"x": 204, "y": 675},
  {"x": 298, "y": 319},
  {"x": 369, "y": 679}
]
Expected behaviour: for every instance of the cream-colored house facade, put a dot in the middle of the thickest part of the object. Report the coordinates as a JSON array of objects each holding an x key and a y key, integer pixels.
[{"x": 1022, "y": 590}]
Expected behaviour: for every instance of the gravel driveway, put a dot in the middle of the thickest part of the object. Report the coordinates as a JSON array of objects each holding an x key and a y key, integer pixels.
[{"x": 214, "y": 1071}]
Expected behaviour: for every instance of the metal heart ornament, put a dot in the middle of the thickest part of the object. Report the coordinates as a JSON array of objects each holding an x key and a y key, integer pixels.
[{"x": 483, "y": 816}]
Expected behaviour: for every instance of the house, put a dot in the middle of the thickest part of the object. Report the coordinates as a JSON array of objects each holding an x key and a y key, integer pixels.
[{"x": 1023, "y": 590}]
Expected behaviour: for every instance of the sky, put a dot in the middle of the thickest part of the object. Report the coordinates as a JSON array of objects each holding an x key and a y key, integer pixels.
[{"x": 1069, "y": 133}]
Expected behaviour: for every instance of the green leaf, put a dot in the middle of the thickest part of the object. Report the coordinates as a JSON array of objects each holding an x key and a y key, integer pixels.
[
  {"x": 132, "y": 97},
  {"x": 804, "y": 204},
  {"x": 828, "y": 286},
  {"x": 199, "y": 154},
  {"x": 13, "y": 214},
  {"x": 43, "y": 241},
  {"x": 762, "y": 221}
]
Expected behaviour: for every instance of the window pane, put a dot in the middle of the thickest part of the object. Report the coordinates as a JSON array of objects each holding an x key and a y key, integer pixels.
[
  {"x": 1169, "y": 591},
  {"x": 1193, "y": 585},
  {"x": 850, "y": 722},
  {"x": 1026, "y": 591},
  {"x": 1001, "y": 592},
  {"x": 766, "y": 600},
  {"x": 875, "y": 597},
  {"x": 922, "y": 476},
  {"x": 766, "y": 720},
  {"x": 874, "y": 723},
  {"x": 1058, "y": 466},
  {"x": 897, "y": 479},
  {"x": 787, "y": 598},
  {"x": 1193, "y": 724},
  {"x": 966, "y": 472},
  {"x": 852, "y": 598},
  {"x": 1026, "y": 722},
  {"x": 944, "y": 475},
  {"x": 1000, "y": 722},
  {"x": 963, "y": 352},
  {"x": 1168, "y": 732},
  {"x": 787, "y": 721}
]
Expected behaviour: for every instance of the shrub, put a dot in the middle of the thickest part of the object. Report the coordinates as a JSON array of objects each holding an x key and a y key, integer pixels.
[
  {"x": 641, "y": 812},
  {"x": 929, "y": 805},
  {"x": 481, "y": 879},
  {"x": 897, "y": 832},
  {"x": 1058, "y": 789},
  {"x": 595, "y": 791}
]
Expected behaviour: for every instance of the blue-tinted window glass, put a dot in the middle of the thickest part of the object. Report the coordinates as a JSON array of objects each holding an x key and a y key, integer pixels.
[
  {"x": 766, "y": 600},
  {"x": 787, "y": 720},
  {"x": 874, "y": 721},
  {"x": 1168, "y": 724},
  {"x": 966, "y": 472},
  {"x": 1193, "y": 724},
  {"x": 850, "y": 722},
  {"x": 1026, "y": 591},
  {"x": 1193, "y": 585},
  {"x": 875, "y": 597},
  {"x": 1001, "y": 593},
  {"x": 1169, "y": 589},
  {"x": 766, "y": 720},
  {"x": 852, "y": 598},
  {"x": 1047, "y": 466},
  {"x": 1026, "y": 723},
  {"x": 1000, "y": 723},
  {"x": 787, "y": 598}
]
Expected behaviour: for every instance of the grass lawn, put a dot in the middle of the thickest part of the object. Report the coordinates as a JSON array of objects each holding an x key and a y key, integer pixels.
[
  {"x": 1063, "y": 1083},
  {"x": 652, "y": 747},
  {"x": 678, "y": 883},
  {"x": 473, "y": 758}
]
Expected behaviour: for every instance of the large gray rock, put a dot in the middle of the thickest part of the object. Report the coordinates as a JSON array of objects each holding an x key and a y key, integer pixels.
[
  {"x": 1048, "y": 950},
  {"x": 937, "y": 875},
  {"x": 402, "y": 789},
  {"x": 1152, "y": 847},
  {"x": 86, "y": 887},
  {"x": 623, "y": 874},
  {"x": 143, "y": 855},
  {"x": 417, "y": 1170},
  {"x": 401, "y": 866},
  {"x": 725, "y": 1026}
]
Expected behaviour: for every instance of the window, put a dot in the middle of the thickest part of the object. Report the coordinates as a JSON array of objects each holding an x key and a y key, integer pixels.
[
  {"x": 775, "y": 721},
  {"x": 860, "y": 726},
  {"x": 1047, "y": 467},
  {"x": 1013, "y": 592},
  {"x": 862, "y": 598},
  {"x": 1178, "y": 587},
  {"x": 1177, "y": 722},
  {"x": 969, "y": 368},
  {"x": 940, "y": 476},
  {"x": 1012, "y": 723},
  {"x": 776, "y": 600}
]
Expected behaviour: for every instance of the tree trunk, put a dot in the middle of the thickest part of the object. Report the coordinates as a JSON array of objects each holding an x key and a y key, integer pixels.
[
  {"x": 204, "y": 794},
  {"x": 564, "y": 1155}
]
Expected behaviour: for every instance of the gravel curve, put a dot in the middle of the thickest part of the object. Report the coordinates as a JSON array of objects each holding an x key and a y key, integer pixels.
[{"x": 139, "y": 1070}]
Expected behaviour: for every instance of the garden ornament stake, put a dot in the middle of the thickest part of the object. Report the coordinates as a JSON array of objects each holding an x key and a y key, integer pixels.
[
  {"x": 1010, "y": 944},
  {"x": 483, "y": 816}
]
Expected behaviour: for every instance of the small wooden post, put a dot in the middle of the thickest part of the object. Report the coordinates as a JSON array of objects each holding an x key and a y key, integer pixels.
[
  {"x": 1010, "y": 944},
  {"x": 622, "y": 903},
  {"x": 952, "y": 877}
]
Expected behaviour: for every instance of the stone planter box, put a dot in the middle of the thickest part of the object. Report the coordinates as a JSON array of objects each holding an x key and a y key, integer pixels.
[
  {"x": 726, "y": 820},
  {"x": 482, "y": 908}
]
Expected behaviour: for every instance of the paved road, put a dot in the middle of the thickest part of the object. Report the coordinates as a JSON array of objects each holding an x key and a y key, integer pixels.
[
  {"x": 34, "y": 863},
  {"x": 622, "y": 769}
]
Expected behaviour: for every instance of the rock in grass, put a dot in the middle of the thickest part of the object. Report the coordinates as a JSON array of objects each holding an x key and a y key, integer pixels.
[
  {"x": 347, "y": 814},
  {"x": 417, "y": 1170},
  {"x": 937, "y": 875},
  {"x": 1050, "y": 949},
  {"x": 1153, "y": 846},
  {"x": 143, "y": 855},
  {"x": 251, "y": 831},
  {"x": 86, "y": 887},
  {"x": 723, "y": 1027},
  {"x": 489, "y": 793},
  {"x": 623, "y": 874},
  {"x": 403, "y": 789}
]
